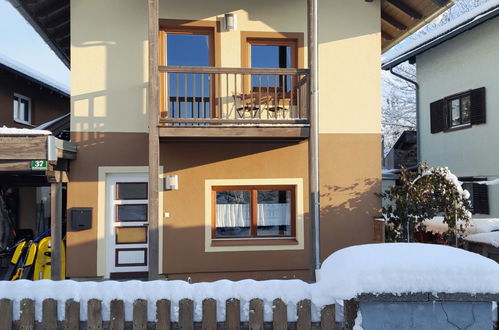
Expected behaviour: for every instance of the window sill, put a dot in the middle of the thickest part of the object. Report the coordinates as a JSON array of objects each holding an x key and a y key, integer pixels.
[
  {"x": 253, "y": 241},
  {"x": 24, "y": 123},
  {"x": 457, "y": 128}
]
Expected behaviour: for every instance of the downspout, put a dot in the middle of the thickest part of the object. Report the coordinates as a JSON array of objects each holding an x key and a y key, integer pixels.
[
  {"x": 418, "y": 126},
  {"x": 314, "y": 202}
]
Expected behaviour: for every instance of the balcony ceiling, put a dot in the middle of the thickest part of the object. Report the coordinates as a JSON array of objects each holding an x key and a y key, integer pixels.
[{"x": 399, "y": 18}]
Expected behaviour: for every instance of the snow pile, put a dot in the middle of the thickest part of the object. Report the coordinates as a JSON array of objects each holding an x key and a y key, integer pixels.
[
  {"x": 439, "y": 33},
  {"x": 405, "y": 268},
  {"x": 485, "y": 225},
  {"x": 290, "y": 291},
  {"x": 487, "y": 238},
  {"x": 4, "y": 130}
]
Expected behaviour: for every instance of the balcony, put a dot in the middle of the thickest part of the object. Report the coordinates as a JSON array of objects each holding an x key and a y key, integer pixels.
[{"x": 242, "y": 103}]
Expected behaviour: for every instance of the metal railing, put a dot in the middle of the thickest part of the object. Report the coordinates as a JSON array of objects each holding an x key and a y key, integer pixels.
[{"x": 215, "y": 96}]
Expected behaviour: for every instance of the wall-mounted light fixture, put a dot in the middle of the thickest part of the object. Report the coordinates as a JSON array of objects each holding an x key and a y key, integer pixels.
[
  {"x": 230, "y": 22},
  {"x": 171, "y": 182}
]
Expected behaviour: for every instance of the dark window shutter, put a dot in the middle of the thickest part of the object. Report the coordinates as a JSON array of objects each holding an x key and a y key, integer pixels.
[
  {"x": 478, "y": 106},
  {"x": 481, "y": 198},
  {"x": 437, "y": 116}
]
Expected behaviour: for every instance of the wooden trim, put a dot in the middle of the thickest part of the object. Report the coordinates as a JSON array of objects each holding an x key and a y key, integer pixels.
[
  {"x": 234, "y": 121},
  {"x": 253, "y": 189},
  {"x": 217, "y": 70},
  {"x": 210, "y": 28},
  {"x": 116, "y": 251},
  {"x": 257, "y": 241},
  {"x": 297, "y": 132},
  {"x": 279, "y": 37}
]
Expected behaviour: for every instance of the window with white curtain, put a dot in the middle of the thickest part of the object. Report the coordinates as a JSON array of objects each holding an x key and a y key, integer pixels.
[{"x": 253, "y": 211}]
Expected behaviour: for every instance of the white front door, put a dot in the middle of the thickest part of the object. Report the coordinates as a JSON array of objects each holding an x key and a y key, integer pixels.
[{"x": 127, "y": 224}]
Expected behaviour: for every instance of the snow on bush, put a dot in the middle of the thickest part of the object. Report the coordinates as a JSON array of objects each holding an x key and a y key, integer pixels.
[
  {"x": 405, "y": 268},
  {"x": 422, "y": 195}
]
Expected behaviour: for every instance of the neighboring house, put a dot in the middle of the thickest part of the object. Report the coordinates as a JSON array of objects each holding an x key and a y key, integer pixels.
[
  {"x": 234, "y": 129},
  {"x": 403, "y": 152},
  {"x": 459, "y": 98},
  {"x": 28, "y": 98}
]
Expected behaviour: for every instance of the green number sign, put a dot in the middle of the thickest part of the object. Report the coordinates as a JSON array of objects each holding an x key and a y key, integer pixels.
[{"x": 38, "y": 164}]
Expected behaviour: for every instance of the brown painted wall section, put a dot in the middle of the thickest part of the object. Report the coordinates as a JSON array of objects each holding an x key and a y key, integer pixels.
[
  {"x": 45, "y": 104},
  {"x": 349, "y": 168},
  {"x": 350, "y": 176}
]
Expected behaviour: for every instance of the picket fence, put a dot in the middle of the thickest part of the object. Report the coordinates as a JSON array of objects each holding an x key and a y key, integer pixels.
[{"x": 94, "y": 319}]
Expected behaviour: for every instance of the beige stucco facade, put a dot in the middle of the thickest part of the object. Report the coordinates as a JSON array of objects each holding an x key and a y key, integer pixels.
[
  {"x": 109, "y": 123},
  {"x": 454, "y": 67}
]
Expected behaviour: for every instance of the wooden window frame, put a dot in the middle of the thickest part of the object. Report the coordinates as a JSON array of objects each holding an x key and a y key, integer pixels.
[
  {"x": 20, "y": 97},
  {"x": 448, "y": 110},
  {"x": 203, "y": 27},
  {"x": 253, "y": 189}
]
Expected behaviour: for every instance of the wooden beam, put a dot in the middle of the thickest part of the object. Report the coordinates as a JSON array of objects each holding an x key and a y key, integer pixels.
[
  {"x": 153, "y": 186},
  {"x": 393, "y": 22},
  {"x": 234, "y": 132},
  {"x": 234, "y": 121},
  {"x": 15, "y": 166},
  {"x": 386, "y": 35},
  {"x": 23, "y": 147},
  {"x": 404, "y": 8},
  {"x": 56, "y": 230}
]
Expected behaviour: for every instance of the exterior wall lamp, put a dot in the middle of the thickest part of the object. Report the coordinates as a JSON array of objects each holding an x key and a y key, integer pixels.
[{"x": 230, "y": 21}]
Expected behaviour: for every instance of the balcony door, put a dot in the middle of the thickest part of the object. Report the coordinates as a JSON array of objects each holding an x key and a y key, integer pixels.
[{"x": 187, "y": 95}]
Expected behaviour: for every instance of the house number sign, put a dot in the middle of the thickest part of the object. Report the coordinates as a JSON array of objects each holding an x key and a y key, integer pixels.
[{"x": 38, "y": 164}]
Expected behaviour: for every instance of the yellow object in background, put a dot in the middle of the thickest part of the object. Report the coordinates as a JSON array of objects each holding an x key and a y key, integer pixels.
[{"x": 43, "y": 260}]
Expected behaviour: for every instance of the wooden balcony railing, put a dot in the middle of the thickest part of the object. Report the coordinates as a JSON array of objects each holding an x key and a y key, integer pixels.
[{"x": 204, "y": 96}]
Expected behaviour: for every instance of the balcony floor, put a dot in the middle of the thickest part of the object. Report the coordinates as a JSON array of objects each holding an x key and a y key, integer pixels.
[{"x": 265, "y": 132}]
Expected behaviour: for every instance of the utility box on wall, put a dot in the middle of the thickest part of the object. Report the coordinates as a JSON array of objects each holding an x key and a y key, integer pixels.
[{"x": 81, "y": 218}]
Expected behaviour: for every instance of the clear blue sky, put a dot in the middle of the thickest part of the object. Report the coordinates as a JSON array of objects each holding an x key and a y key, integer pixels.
[{"x": 19, "y": 41}]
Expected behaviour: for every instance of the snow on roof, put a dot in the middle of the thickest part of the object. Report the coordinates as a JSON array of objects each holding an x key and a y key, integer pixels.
[
  {"x": 49, "y": 123},
  {"x": 440, "y": 34},
  {"x": 4, "y": 130},
  {"x": 406, "y": 268},
  {"x": 491, "y": 238},
  {"x": 34, "y": 75}
]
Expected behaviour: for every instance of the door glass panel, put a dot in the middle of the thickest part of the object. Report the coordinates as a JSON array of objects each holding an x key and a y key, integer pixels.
[
  {"x": 131, "y": 212},
  {"x": 274, "y": 213},
  {"x": 466, "y": 104},
  {"x": 233, "y": 213},
  {"x": 131, "y": 235},
  {"x": 271, "y": 56},
  {"x": 131, "y": 190},
  {"x": 189, "y": 93}
]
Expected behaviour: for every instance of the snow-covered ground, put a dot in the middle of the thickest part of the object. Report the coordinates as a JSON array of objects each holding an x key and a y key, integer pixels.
[{"x": 373, "y": 268}]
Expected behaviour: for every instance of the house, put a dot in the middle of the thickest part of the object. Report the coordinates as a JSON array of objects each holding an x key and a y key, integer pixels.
[
  {"x": 458, "y": 97},
  {"x": 28, "y": 98},
  {"x": 34, "y": 151},
  {"x": 403, "y": 152},
  {"x": 219, "y": 158}
]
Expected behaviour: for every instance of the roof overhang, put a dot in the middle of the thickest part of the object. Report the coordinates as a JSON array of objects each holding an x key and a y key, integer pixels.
[
  {"x": 401, "y": 18},
  {"x": 51, "y": 19},
  {"x": 439, "y": 39}
]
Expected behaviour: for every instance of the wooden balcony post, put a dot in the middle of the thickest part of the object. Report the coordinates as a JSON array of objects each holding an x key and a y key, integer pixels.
[
  {"x": 56, "y": 229},
  {"x": 153, "y": 187}
]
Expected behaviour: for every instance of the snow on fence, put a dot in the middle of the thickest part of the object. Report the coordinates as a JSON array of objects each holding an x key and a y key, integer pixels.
[{"x": 163, "y": 320}]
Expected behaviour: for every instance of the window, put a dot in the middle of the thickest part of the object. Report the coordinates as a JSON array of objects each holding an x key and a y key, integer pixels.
[
  {"x": 479, "y": 195},
  {"x": 22, "y": 109},
  {"x": 459, "y": 110},
  {"x": 253, "y": 211}
]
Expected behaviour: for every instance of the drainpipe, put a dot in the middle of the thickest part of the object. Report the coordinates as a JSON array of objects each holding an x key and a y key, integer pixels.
[
  {"x": 418, "y": 126},
  {"x": 314, "y": 139}
]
